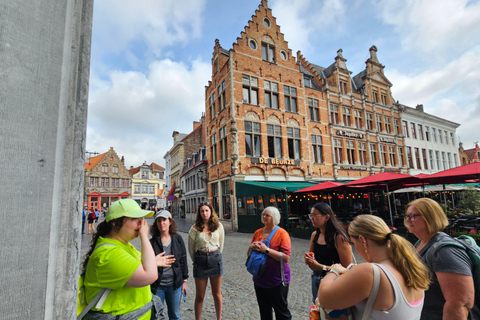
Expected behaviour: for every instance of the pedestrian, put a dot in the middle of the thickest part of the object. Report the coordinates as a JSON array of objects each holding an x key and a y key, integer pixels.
[
  {"x": 270, "y": 288},
  {"x": 91, "y": 222},
  {"x": 113, "y": 263},
  {"x": 393, "y": 276},
  {"x": 97, "y": 214},
  {"x": 84, "y": 218},
  {"x": 172, "y": 281},
  {"x": 205, "y": 246},
  {"x": 451, "y": 294},
  {"x": 329, "y": 244}
]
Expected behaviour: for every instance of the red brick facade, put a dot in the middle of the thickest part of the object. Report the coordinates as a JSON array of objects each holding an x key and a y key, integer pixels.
[{"x": 270, "y": 113}]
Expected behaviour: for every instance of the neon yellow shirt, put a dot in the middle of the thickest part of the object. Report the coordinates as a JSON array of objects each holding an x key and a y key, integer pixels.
[{"x": 111, "y": 267}]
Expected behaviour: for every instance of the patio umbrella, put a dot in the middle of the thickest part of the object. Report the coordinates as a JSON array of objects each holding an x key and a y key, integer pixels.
[
  {"x": 456, "y": 175},
  {"x": 384, "y": 178},
  {"x": 322, "y": 186}
]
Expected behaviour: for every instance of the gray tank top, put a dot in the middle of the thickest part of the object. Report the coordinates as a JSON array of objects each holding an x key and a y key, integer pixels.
[{"x": 401, "y": 310}]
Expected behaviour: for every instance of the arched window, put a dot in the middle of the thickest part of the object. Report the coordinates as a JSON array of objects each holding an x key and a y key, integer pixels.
[{"x": 105, "y": 167}]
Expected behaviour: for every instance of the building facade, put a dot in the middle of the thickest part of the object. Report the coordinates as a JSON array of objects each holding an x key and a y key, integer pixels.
[
  {"x": 106, "y": 180},
  {"x": 470, "y": 155},
  {"x": 430, "y": 141},
  {"x": 183, "y": 144},
  {"x": 147, "y": 184},
  {"x": 193, "y": 182},
  {"x": 273, "y": 117}
]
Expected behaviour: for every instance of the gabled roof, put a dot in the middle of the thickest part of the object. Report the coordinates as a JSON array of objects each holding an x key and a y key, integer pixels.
[
  {"x": 134, "y": 170},
  {"x": 358, "y": 79},
  {"x": 156, "y": 167},
  {"x": 329, "y": 70},
  {"x": 93, "y": 161},
  {"x": 317, "y": 68}
]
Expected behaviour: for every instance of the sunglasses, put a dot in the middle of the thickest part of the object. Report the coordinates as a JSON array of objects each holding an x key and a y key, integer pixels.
[{"x": 205, "y": 203}]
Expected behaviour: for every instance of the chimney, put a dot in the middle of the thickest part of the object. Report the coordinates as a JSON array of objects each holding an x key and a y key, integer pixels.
[
  {"x": 196, "y": 124},
  {"x": 419, "y": 107},
  {"x": 123, "y": 160}
]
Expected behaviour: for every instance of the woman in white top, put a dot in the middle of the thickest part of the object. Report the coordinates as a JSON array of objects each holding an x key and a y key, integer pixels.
[
  {"x": 393, "y": 267},
  {"x": 205, "y": 246}
]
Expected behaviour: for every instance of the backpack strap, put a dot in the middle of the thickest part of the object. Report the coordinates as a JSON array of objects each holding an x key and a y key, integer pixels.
[
  {"x": 100, "y": 298},
  {"x": 267, "y": 241}
]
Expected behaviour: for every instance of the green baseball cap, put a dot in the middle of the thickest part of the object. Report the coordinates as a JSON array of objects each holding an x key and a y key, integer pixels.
[{"x": 126, "y": 208}]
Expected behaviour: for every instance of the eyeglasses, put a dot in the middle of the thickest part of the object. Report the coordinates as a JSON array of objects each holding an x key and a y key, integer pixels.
[
  {"x": 266, "y": 215},
  {"x": 313, "y": 216},
  {"x": 412, "y": 217}
]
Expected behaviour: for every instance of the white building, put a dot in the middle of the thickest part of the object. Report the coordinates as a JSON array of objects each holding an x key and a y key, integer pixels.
[{"x": 430, "y": 141}]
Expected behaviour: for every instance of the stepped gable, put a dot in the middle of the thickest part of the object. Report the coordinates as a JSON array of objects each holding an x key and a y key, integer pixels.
[{"x": 263, "y": 28}]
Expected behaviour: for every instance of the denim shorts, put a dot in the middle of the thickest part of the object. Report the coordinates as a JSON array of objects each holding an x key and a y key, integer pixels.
[{"x": 207, "y": 264}]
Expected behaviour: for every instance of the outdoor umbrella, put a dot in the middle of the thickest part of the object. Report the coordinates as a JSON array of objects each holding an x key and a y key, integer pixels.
[
  {"x": 456, "y": 175},
  {"x": 384, "y": 178},
  {"x": 322, "y": 186}
]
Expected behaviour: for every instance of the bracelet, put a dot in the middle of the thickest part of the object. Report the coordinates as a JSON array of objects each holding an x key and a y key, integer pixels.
[
  {"x": 334, "y": 271},
  {"x": 324, "y": 268}
]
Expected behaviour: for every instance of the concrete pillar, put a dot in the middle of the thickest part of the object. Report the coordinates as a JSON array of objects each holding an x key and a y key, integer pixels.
[{"x": 44, "y": 76}]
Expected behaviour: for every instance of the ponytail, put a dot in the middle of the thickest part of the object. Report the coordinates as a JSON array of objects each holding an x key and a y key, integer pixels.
[
  {"x": 401, "y": 252},
  {"x": 103, "y": 229}
]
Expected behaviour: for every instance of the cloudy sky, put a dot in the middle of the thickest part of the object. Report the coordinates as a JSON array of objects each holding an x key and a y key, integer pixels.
[{"x": 151, "y": 59}]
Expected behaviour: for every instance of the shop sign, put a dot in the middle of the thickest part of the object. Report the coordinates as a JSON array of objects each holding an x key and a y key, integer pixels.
[
  {"x": 286, "y": 162},
  {"x": 387, "y": 140},
  {"x": 352, "y": 168},
  {"x": 350, "y": 134}
]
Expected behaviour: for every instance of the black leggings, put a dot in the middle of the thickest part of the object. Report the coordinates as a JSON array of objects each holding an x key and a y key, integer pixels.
[{"x": 273, "y": 298}]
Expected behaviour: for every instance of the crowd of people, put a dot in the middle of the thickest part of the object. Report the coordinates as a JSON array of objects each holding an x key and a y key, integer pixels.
[{"x": 397, "y": 281}]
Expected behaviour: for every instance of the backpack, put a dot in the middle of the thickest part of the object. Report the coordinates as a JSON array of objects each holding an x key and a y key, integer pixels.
[
  {"x": 98, "y": 300},
  {"x": 93, "y": 215},
  {"x": 468, "y": 244},
  {"x": 257, "y": 261}
]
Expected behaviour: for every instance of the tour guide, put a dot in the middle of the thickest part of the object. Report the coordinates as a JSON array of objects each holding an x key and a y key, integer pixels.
[{"x": 115, "y": 264}]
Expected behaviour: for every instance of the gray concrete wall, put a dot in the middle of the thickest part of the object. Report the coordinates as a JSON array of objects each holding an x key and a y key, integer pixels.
[{"x": 44, "y": 73}]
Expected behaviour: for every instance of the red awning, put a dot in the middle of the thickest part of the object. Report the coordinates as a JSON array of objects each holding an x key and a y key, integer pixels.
[
  {"x": 381, "y": 178},
  {"x": 322, "y": 186}
]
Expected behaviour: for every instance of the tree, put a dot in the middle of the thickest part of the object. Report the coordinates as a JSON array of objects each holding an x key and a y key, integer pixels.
[{"x": 470, "y": 199}]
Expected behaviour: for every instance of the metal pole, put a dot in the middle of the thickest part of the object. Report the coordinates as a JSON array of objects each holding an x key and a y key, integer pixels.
[{"x": 389, "y": 206}]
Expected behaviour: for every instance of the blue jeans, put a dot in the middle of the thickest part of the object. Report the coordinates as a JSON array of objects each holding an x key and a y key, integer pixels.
[
  {"x": 172, "y": 296},
  {"x": 315, "y": 285}
]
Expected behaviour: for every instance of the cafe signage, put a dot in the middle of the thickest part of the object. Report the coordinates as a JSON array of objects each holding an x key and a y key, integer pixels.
[
  {"x": 286, "y": 162},
  {"x": 352, "y": 168},
  {"x": 387, "y": 140},
  {"x": 349, "y": 134}
]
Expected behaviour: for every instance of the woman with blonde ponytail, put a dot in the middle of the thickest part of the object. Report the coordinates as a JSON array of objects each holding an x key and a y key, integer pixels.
[{"x": 392, "y": 281}]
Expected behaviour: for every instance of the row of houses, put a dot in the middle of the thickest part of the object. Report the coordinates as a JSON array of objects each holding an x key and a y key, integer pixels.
[
  {"x": 275, "y": 122},
  {"x": 108, "y": 180}
]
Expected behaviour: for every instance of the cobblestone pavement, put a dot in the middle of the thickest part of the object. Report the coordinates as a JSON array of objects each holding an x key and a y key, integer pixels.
[{"x": 239, "y": 301}]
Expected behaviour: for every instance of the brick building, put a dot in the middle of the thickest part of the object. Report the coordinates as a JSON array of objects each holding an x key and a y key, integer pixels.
[
  {"x": 184, "y": 145},
  {"x": 106, "y": 180},
  {"x": 275, "y": 122},
  {"x": 469, "y": 155}
]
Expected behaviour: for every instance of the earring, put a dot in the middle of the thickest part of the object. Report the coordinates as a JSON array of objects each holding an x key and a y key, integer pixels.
[{"x": 366, "y": 250}]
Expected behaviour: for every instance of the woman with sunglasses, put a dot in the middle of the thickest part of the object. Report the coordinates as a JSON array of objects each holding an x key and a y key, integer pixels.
[
  {"x": 270, "y": 288},
  {"x": 451, "y": 293},
  {"x": 329, "y": 244},
  {"x": 205, "y": 246}
]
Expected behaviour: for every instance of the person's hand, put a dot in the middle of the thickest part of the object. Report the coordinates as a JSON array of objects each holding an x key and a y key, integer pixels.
[
  {"x": 143, "y": 229},
  {"x": 309, "y": 258},
  {"x": 184, "y": 289},
  {"x": 340, "y": 269},
  {"x": 163, "y": 260}
]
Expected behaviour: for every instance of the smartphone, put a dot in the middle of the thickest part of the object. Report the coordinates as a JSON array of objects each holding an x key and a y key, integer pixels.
[{"x": 184, "y": 296}]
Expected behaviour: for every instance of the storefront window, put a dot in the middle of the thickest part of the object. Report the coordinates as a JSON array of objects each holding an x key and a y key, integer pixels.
[
  {"x": 227, "y": 208},
  {"x": 250, "y": 205}
]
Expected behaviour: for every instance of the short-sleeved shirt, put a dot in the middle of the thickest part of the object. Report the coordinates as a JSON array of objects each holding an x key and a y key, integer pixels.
[
  {"x": 272, "y": 276},
  {"x": 449, "y": 259},
  {"x": 111, "y": 267}
]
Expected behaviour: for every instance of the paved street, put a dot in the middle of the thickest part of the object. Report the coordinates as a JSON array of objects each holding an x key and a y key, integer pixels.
[{"x": 239, "y": 300}]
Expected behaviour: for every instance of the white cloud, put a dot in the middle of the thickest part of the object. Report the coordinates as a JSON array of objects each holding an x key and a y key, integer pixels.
[
  {"x": 299, "y": 19},
  {"x": 121, "y": 25},
  {"x": 137, "y": 113},
  {"x": 429, "y": 26}
]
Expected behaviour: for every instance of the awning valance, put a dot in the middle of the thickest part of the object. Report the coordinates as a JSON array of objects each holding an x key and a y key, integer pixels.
[{"x": 256, "y": 188}]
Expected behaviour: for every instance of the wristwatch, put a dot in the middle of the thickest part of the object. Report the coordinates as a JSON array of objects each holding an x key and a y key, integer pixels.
[
  {"x": 266, "y": 252},
  {"x": 324, "y": 268}
]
